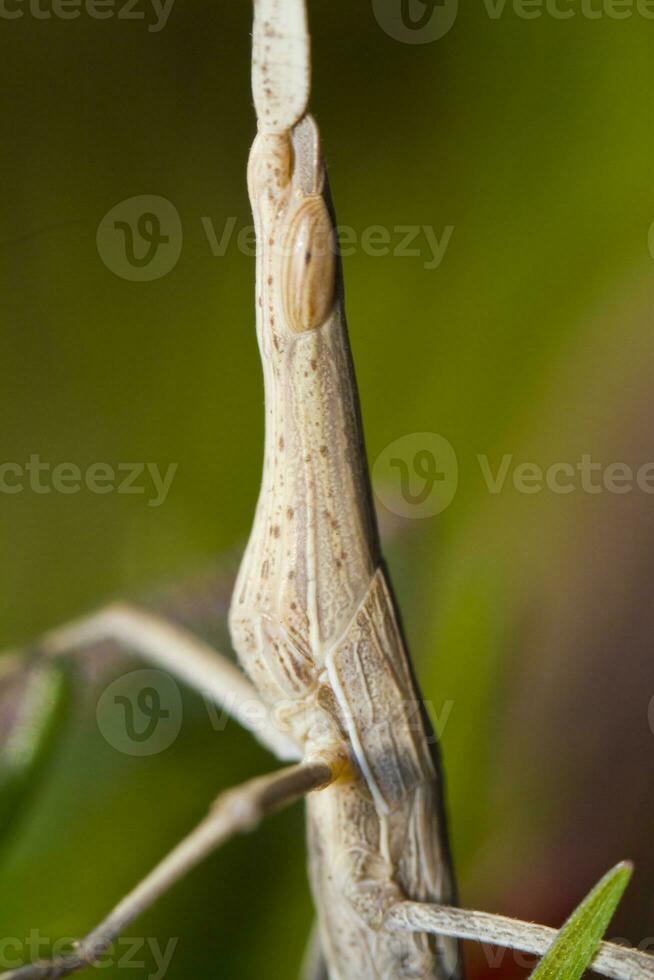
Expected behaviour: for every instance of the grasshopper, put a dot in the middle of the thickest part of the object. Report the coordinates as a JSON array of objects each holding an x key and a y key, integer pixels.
[{"x": 312, "y": 618}]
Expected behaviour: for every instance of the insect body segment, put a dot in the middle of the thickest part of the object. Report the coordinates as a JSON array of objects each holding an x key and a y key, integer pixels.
[
  {"x": 312, "y": 618},
  {"x": 313, "y": 548}
]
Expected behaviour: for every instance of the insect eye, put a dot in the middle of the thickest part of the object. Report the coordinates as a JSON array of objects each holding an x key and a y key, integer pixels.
[{"x": 309, "y": 267}]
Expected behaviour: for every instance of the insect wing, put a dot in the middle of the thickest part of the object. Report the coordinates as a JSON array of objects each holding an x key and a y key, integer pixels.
[{"x": 370, "y": 675}]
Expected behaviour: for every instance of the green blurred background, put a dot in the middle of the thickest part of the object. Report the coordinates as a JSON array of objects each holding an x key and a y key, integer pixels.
[{"x": 529, "y": 615}]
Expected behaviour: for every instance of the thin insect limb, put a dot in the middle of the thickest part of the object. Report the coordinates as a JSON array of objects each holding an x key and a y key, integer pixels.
[
  {"x": 175, "y": 649},
  {"x": 314, "y": 966},
  {"x": 238, "y": 810},
  {"x": 611, "y": 960}
]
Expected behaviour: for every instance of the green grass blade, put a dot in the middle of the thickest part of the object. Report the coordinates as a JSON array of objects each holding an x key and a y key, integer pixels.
[
  {"x": 576, "y": 944},
  {"x": 33, "y": 730}
]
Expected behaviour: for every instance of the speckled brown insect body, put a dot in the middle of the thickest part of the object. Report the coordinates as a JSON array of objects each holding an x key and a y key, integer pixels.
[{"x": 312, "y": 617}]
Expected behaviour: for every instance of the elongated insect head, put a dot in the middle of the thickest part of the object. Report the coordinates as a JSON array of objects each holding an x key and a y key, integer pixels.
[{"x": 295, "y": 231}]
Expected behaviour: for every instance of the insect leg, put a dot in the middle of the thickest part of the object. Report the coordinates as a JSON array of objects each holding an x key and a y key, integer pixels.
[
  {"x": 177, "y": 650},
  {"x": 238, "y": 810}
]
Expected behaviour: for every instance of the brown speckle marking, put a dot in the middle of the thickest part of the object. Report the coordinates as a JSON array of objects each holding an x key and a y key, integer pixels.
[{"x": 290, "y": 513}]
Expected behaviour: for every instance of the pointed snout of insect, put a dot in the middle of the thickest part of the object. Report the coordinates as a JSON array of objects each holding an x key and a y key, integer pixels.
[{"x": 280, "y": 63}]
